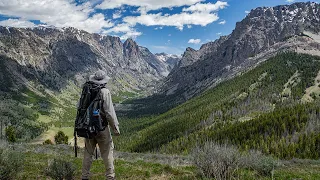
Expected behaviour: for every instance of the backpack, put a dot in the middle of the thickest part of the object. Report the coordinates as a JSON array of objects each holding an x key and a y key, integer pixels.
[{"x": 89, "y": 120}]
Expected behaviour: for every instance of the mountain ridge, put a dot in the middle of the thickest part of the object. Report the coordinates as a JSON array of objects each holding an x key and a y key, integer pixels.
[
  {"x": 261, "y": 30},
  {"x": 70, "y": 51}
]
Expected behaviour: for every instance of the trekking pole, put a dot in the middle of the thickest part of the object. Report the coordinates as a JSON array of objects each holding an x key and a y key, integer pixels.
[
  {"x": 75, "y": 144},
  {"x": 96, "y": 152}
]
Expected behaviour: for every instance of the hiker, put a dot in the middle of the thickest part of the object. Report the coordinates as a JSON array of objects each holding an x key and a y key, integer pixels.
[{"x": 102, "y": 138}]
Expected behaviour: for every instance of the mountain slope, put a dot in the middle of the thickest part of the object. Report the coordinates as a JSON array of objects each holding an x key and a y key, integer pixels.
[
  {"x": 72, "y": 53},
  {"x": 235, "y": 103},
  {"x": 163, "y": 63},
  {"x": 264, "y": 32},
  {"x": 42, "y": 70}
]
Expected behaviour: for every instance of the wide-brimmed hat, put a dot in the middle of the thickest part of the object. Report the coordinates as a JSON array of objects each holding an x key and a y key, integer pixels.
[{"x": 99, "y": 77}]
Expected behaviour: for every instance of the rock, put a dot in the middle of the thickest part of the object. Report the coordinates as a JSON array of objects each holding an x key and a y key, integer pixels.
[{"x": 263, "y": 32}]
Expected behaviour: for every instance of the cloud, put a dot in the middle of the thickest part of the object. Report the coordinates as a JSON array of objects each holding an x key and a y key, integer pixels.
[
  {"x": 206, "y": 7},
  {"x": 158, "y": 28},
  {"x": 223, "y": 22},
  {"x": 125, "y": 29},
  {"x": 116, "y": 15},
  {"x": 194, "y": 41},
  {"x": 146, "y": 5},
  {"x": 290, "y": 1},
  {"x": 59, "y": 13},
  {"x": 247, "y": 12},
  {"x": 17, "y": 23},
  {"x": 87, "y": 14},
  {"x": 176, "y": 20},
  {"x": 131, "y": 34},
  {"x": 219, "y": 34}
]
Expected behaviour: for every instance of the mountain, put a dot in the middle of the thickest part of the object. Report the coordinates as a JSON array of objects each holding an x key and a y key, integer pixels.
[
  {"x": 171, "y": 59},
  {"x": 273, "y": 108},
  {"x": 55, "y": 56},
  {"x": 163, "y": 63},
  {"x": 264, "y": 32},
  {"x": 42, "y": 70}
]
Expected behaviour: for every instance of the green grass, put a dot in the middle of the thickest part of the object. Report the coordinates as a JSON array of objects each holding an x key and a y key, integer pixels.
[
  {"x": 299, "y": 172},
  {"x": 35, "y": 164},
  {"x": 123, "y": 95},
  {"x": 51, "y": 132},
  {"x": 44, "y": 118}
]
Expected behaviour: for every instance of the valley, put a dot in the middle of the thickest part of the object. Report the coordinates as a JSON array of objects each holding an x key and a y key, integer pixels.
[{"x": 253, "y": 94}]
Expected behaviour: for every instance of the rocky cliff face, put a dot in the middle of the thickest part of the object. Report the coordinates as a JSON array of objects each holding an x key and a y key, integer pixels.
[
  {"x": 56, "y": 58},
  {"x": 263, "y": 33},
  {"x": 162, "y": 62}
]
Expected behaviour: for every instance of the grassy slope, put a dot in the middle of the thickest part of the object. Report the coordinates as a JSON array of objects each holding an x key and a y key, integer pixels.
[
  {"x": 35, "y": 164},
  {"x": 223, "y": 104}
]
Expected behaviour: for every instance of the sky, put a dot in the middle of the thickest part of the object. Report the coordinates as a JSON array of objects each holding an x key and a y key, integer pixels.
[{"x": 168, "y": 26}]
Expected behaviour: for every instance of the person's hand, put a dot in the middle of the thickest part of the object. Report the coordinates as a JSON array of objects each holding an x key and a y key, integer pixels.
[{"x": 116, "y": 131}]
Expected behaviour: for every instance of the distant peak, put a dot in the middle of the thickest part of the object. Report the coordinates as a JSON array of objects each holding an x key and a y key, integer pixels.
[{"x": 190, "y": 49}]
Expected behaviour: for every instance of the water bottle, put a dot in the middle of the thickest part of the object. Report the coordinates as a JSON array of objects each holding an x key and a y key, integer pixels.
[{"x": 96, "y": 113}]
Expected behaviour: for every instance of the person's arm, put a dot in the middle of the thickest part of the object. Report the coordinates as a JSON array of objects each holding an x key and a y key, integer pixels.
[{"x": 110, "y": 112}]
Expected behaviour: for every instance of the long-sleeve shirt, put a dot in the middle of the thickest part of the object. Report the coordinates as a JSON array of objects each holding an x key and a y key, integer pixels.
[{"x": 109, "y": 110}]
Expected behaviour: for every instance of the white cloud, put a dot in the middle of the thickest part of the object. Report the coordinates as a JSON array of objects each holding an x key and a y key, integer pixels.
[
  {"x": 146, "y": 5},
  {"x": 223, "y": 22},
  {"x": 125, "y": 29},
  {"x": 290, "y": 1},
  {"x": 131, "y": 34},
  {"x": 219, "y": 34},
  {"x": 17, "y": 23},
  {"x": 59, "y": 13},
  {"x": 206, "y": 7},
  {"x": 116, "y": 15},
  {"x": 119, "y": 28},
  {"x": 67, "y": 13},
  {"x": 194, "y": 41},
  {"x": 247, "y": 12},
  {"x": 176, "y": 20},
  {"x": 158, "y": 28},
  {"x": 189, "y": 26}
]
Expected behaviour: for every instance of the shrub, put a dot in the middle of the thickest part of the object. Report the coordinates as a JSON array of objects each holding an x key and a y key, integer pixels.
[
  {"x": 216, "y": 161},
  {"x": 61, "y": 138},
  {"x": 11, "y": 134},
  {"x": 11, "y": 163},
  {"x": 59, "y": 169},
  {"x": 48, "y": 141},
  {"x": 222, "y": 161},
  {"x": 259, "y": 162}
]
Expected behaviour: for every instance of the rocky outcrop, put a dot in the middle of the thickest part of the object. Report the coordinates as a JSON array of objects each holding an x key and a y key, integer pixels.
[
  {"x": 262, "y": 31},
  {"x": 164, "y": 63},
  {"x": 57, "y": 57}
]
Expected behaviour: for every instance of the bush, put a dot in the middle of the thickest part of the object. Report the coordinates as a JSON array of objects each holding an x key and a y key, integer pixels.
[
  {"x": 60, "y": 169},
  {"x": 61, "y": 138},
  {"x": 11, "y": 163},
  {"x": 48, "y": 141},
  {"x": 222, "y": 161},
  {"x": 216, "y": 161},
  {"x": 11, "y": 134},
  {"x": 259, "y": 162}
]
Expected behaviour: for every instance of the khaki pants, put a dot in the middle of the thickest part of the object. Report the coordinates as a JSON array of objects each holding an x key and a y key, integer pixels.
[{"x": 105, "y": 143}]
